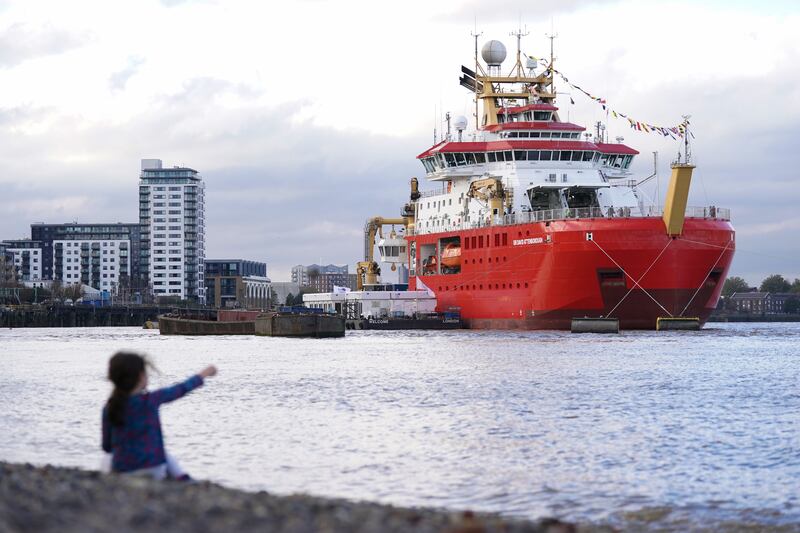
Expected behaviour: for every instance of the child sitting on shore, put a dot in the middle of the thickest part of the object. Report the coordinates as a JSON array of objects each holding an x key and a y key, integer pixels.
[{"x": 131, "y": 425}]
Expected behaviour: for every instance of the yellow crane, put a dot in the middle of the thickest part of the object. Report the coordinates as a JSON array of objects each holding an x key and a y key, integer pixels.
[{"x": 368, "y": 270}]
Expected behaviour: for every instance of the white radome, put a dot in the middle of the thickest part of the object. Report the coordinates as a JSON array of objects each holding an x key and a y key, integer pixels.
[
  {"x": 493, "y": 53},
  {"x": 460, "y": 123}
]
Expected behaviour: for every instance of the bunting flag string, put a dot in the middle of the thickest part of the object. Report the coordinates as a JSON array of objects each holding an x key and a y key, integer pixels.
[{"x": 674, "y": 132}]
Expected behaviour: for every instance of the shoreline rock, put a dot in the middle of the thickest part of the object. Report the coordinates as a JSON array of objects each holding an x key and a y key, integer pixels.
[{"x": 66, "y": 500}]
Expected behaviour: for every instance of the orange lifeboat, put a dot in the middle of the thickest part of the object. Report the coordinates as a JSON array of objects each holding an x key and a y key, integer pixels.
[{"x": 451, "y": 256}]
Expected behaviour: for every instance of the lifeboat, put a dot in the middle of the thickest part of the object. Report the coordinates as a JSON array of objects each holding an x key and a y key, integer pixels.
[{"x": 451, "y": 255}]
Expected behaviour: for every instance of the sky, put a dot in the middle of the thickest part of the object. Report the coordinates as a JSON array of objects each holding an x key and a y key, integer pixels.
[{"x": 305, "y": 117}]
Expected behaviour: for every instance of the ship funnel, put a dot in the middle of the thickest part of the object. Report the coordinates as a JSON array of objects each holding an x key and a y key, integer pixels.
[{"x": 677, "y": 197}]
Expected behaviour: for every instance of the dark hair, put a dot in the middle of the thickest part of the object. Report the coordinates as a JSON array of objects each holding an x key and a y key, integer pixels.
[{"x": 124, "y": 371}]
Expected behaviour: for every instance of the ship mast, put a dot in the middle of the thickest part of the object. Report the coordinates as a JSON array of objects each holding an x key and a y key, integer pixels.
[
  {"x": 518, "y": 65},
  {"x": 475, "y": 35},
  {"x": 552, "y": 37}
]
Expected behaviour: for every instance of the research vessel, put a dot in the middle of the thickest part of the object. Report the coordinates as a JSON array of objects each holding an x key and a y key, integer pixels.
[{"x": 530, "y": 221}]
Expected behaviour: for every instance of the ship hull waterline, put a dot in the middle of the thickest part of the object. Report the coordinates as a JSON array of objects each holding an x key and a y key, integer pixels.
[{"x": 542, "y": 275}]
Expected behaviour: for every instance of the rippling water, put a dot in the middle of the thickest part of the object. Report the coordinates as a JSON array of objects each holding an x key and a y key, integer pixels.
[{"x": 672, "y": 429}]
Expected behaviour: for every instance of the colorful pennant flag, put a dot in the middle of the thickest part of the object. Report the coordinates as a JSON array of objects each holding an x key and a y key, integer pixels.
[{"x": 676, "y": 131}]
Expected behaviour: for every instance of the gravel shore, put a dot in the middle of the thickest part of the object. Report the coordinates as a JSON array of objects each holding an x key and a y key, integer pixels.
[{"x": 70, "y": 500}]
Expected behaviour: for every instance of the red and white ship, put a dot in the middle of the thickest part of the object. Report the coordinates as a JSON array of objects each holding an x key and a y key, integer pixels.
[{"x": 534, "y": 222}]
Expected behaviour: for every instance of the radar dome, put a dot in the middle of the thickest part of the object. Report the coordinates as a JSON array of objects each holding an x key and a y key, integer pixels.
[
  {"x": 460, "y": 123},
  {"x": 493, "y": 53},
  {"x": 531, "y": 63}
]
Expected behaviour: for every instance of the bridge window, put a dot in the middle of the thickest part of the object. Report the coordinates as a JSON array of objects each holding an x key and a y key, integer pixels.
[
  {"x": 545, "y": 135},
  {"x": 566, "y": 155},
  {"x": 524, "y": 134},
  {"x": 587, "y": 156},
  {"x": 491, "y": 157},
  {"x": 509, "y": 155},
  {"x": 535, "y": 134},
  {"x": 577, "y": 156},
  {"x": 533, "y": 155},
  {"x": 480, "y": 158},
  {"x": 470, "y": 158},
  {"x": 545, "y": 155},
  {"x": 520, "y": 155},
  {"x": 542, "y": 115}
]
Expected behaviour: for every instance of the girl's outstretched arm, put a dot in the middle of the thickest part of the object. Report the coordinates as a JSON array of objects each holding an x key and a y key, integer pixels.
[{"x": 168, "y": 394}]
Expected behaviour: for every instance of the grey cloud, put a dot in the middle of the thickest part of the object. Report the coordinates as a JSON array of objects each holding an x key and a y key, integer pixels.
[
  {"x": 118, "y": 80},
  {"x": 289, "y": 192},
  {"x": 21, "y": 42},
  {"x": 277, "y": 191}
]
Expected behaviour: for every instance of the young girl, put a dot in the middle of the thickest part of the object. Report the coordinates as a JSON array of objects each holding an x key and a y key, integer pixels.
[{"x": 131, "y": 426}]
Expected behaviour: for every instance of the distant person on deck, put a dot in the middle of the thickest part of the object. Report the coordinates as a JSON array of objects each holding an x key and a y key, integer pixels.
[{"x": 131, "y": 426}]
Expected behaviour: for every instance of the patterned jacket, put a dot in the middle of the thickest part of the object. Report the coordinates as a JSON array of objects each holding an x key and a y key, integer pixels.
[{"x": 138, "y": 443}]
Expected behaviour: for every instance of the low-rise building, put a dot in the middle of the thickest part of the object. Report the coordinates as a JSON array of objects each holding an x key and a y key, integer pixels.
[
  {"x": 373, "y": 304},
  {"x": 761, "y": 303},
  {"x": 102, "y": 255},
  {"x": 237, "y": 283}
]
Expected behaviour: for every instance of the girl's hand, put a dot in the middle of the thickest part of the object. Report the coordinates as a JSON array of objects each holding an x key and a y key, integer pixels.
[{"x": 208, "y": 371}]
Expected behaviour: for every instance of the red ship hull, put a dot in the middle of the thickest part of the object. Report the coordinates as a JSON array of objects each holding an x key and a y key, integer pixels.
[{"x": 542, "y": 275}]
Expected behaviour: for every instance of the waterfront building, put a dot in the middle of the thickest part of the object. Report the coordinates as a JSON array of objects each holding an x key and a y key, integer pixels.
[
  {"x": 321, "y": 278},
  {"x": 172, "y": 219},
  {"x": 761, "y": 303},
  {"x": 373, "y": 304},
  {"x": 104, "y": 256},
  {"x": 26, "y": 257},
  {"x": 237, "y": 283}
]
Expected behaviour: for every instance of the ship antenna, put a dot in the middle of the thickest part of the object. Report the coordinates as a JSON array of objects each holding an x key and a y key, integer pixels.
[
  {"x": 519, "y": 35},
  {"x": 687, "y": 155},
  {"x": 475, "y": 35},
  {"x": 552, "y": 36}
]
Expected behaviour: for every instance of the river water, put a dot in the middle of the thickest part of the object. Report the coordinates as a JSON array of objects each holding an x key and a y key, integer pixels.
[{"x": 675, "y": 430}]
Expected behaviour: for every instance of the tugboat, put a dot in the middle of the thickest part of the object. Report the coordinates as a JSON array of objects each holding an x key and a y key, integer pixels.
[{"x": 535, "y": 221}]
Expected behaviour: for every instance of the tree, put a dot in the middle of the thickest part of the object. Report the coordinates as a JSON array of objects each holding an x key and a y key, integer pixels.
[
  {"x": 795, "y": 286},
  {"x": 775, "y": 283},
  {"x": 792, "y": 306},
  {"x": 289, "y": 299},
  {"x": 73, "y": 291},
  {"x": 56, "y": 290},
  {"x": 734, "y": 284}
]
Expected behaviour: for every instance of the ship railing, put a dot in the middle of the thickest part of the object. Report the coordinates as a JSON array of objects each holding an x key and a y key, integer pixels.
[
  {"x": 434, "y": 192},
  {"x": 549, "y": 215}
]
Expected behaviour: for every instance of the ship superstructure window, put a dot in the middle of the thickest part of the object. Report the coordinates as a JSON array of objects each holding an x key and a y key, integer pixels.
[{"x": 459, "y": 159}]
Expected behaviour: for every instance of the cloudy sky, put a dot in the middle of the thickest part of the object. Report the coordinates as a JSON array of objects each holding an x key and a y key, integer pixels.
[{"x": 304, "y": 117}]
